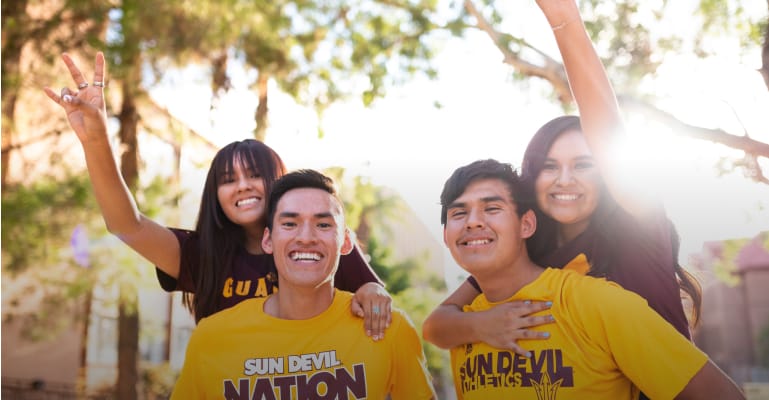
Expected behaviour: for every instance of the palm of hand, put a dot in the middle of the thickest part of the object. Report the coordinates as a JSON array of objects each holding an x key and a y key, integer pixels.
[{"x": 88, "y": 114}]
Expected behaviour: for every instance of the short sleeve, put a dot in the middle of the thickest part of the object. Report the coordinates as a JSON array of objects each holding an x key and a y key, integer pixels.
[
  {"x": 188, "y": 263},
  {"x": 646, "y": 348},
  {"x": 411, "y": 378}
]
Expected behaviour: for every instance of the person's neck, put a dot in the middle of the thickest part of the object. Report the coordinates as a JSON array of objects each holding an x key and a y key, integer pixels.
[
  {"x": 505, "y": 282},
  {"x": 568, "y": 232},
  {"x": 254, "y": 236},
  {"x": 298, "y": 303}
]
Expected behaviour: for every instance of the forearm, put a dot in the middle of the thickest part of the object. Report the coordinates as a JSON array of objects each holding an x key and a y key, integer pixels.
[
  {"x": 448, "y": 326},
  {"x": 117, "y": 205},
  {"x": 590, "y": 85}
]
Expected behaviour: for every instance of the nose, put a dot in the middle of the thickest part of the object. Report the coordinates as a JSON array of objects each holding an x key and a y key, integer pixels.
[
  {"x": 243, "y": 183},
  {"x": 565, "y": 176},
  {"x": 474, "y": 218},
  {"x": 305, "y": 233}
]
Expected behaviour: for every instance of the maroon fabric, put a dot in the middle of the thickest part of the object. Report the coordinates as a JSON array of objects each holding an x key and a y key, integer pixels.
[
  {"x": 255, "y": 275},
  {"x": 637, "y": 255}
]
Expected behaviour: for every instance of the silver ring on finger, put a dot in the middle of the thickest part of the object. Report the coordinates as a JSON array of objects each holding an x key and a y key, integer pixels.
[
  {"x": 82, "y": 85},
  {"x": 375, "y": 310},
  {"x": 98, "y": 83}
]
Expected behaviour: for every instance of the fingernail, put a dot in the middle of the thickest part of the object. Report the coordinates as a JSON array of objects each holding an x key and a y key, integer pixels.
[
  {"x": 549, "y": 303},
  {"x": 546, "y": 334},
  {"x": 67, "y": 98},
  {"x": 552, "y": 318},
  {"x": 527, "y": 302},
  {"x": 528, "y": 354},
  {"x": 368, "y": 333}
]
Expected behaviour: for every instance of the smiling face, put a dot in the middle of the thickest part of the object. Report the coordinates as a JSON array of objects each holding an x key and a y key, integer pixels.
[
  {"x": 241, "y": 195},
  {"x": 483, "y": 230},
  {"x": 307, "y": 238},
  {"x": 568, "y": 187}
]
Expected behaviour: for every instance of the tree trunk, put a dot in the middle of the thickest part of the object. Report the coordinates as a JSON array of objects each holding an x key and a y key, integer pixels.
[
  {"x": 14, "y": 15},
  {"x": 128, "y": 315},
  {"x": 128, "y": 343},
  {"x": 260, "y": 133},
  {"x": 176, "y": 185}
]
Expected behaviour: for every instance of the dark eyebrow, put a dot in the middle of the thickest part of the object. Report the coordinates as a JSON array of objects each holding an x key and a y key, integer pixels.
[
  {"x": 490, "y": 199},
  {"x": 487, "y": 199},
  {"x": 292, "y": 214}
]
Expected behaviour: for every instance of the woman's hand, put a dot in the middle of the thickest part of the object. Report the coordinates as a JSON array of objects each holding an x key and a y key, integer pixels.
[
  {"x": 502, "y": 326},
  {"x": 372, "y": 303},
  {"x": 85, "y": 107}
]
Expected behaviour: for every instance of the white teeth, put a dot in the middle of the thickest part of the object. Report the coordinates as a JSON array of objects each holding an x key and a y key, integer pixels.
[
  {"x": 250, "y": 200},
  {"x": 478, "y": 242},
  {"x": 565, "y": 197},
  {"x": 305, "y": 256}
]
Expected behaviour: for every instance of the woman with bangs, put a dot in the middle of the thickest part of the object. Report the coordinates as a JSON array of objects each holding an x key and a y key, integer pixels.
[
  {"x": 221, "y": 262},
  {"x": 584, "y": 208}
]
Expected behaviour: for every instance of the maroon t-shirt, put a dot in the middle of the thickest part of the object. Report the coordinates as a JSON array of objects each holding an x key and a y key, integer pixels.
[
  {"x": 254, "y": 275},
  {"x": 638, "y": 255}
]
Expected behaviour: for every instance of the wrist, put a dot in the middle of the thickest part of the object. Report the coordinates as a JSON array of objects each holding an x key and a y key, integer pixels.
[{"x": 563, "y": 24}]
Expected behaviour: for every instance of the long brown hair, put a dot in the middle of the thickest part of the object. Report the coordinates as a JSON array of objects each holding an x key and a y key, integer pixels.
[
  {"x": 544, "y": 242},
  {"x": 219, "y": 237}
]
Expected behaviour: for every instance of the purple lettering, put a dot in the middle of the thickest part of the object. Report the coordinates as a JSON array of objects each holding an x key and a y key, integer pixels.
[
  {"x": 558, "y": 371},
  {"x": 484, "y": 364},
  {"x": 284, "y": 383},
  {"x": 504, "y": 362},
  {"x": 233, "y": 393},
  {"x": 346, "y": 382},
  {"x": 263, "y": 390}
]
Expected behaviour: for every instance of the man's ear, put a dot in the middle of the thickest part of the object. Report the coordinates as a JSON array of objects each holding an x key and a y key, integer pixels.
[
  {"x": 349, "y": 242},
  {"x": 267, "y": 241},
  {"x": 528, "y": 224}
]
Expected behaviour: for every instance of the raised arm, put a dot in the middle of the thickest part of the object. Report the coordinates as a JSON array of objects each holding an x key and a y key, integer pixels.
[
  {"x": 502, "y": 326},
  {"x": 599, "y": 113},
  {"x": 87, "y": 115}
]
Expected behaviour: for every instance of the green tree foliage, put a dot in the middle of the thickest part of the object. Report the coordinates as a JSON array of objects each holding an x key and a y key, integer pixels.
[
  {"x": 634, "y": 38},
  {"x": 38, "y": 219}
]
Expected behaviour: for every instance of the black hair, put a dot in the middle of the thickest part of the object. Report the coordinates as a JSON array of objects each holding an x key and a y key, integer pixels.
[
  {"x": 303, "y": 178},
  {"x": 484, "y": 169}
]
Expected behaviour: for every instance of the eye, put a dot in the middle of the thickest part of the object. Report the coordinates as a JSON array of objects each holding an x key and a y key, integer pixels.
[
  {"x": 457, "y": 213},
  {"x": 324, "y": 225},
  {"x": 227, "y": 178},
  {"x": 583, "y": 165},
  {"x": 255, "y": 174},
  {"x": 288, "y": 224},
  {"x": 549, "y": 166},
  {"x": 492, "y": 209}
]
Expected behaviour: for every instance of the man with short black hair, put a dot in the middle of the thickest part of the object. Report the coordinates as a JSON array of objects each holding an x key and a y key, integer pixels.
[
  {"x": 302, "y": 342},
  {"x": 594, "y": 350}
]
